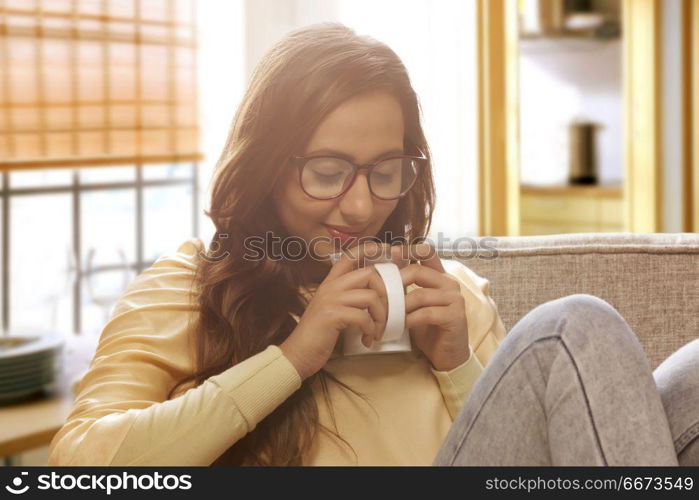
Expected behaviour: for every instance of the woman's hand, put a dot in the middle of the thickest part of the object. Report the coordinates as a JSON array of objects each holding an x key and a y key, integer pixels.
[
  {"x": 435, "y": 313},
  {"x": 347, "y": 296}
]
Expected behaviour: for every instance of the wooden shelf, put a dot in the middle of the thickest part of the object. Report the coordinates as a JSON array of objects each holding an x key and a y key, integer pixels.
[
  {"x": 613, "y": 191},
  {"x": 571, "y": 209}
]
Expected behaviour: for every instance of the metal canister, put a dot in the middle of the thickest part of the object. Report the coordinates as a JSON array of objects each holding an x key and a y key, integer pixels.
[{"x": 583, "y": 167}]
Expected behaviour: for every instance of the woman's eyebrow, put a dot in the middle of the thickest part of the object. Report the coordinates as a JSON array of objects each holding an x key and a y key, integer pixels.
[{"x": 340, "y": 154}]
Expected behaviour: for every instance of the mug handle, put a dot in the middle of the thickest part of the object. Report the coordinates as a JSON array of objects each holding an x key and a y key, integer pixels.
[{"x": 395, "y": 321}]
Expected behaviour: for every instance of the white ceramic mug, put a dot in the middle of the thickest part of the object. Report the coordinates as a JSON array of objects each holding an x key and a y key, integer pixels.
[{"x": 396, "y": 337}]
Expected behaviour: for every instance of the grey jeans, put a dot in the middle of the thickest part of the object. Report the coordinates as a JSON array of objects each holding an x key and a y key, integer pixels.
[{"x": 571, "y": 385}]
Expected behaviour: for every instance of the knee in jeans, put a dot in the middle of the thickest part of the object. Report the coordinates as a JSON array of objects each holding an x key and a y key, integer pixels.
[
  {"x": 677, "y": 376},
  {"x": 581, "y": 309},
  {"x": 581, "y": 305},
  {"x": 575, "y": 315}
]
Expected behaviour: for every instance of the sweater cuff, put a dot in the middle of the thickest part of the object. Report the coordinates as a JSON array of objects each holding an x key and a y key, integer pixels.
[
  {"x": 457, "y": 383},
  {"x": 259, "y": 384}
]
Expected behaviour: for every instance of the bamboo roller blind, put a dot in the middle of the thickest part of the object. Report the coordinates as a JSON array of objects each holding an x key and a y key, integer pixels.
[{"x": 97, "y": 82}]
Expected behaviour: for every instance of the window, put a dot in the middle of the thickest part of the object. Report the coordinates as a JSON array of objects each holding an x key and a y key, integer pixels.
[
  {"x": 99, "y": 151},
  {"x": 115, "y": 218}
]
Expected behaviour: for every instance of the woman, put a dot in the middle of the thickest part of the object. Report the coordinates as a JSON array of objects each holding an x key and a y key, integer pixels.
[{"x": 231, "y": 356}]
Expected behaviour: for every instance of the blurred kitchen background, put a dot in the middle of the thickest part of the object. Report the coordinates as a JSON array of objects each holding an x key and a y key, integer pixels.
[
  {"x": 544, "y": 117},
  {"x": 571, "y": 117}
]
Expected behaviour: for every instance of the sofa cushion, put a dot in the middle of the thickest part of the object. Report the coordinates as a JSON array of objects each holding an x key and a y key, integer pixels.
[{"x": 652, "y": 279}]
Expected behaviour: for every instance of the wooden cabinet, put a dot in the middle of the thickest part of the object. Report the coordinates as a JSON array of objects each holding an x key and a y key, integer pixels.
[{"x": 571, "y": 209}]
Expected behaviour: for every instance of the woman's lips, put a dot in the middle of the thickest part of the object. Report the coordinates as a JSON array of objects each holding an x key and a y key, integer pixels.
[{"x": 343, "y": 236}]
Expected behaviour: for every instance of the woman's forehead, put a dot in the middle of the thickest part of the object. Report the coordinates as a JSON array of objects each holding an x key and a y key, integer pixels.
[{"x": 363, "y": 127}]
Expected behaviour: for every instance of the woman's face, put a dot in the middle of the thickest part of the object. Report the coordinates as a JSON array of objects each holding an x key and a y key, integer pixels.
[{"x": 365, "y": 128}]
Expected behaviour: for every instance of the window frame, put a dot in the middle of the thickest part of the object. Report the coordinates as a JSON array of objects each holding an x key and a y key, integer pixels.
[{"x": 75, "y": 189}]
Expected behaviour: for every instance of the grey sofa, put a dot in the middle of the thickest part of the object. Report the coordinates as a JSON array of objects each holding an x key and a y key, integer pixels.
[{"x": 652, "y": 279}]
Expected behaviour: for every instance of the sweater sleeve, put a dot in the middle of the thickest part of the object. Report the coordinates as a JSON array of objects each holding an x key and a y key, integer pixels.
[
  {"x": 485, "y": 330},
  {"x": 122, "y": 414}
]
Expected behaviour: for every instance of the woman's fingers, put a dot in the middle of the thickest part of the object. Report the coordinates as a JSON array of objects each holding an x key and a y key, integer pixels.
[
  {"x": 376, "y": 285},
  {"x": 366, "y": 277},
  {"x": 372, "y": 251},
  {"x": 354, "y": 258},
  {"x": 367, "y": 298},
  {"x": 427, "y": 255},
  {"x": 357, "y": 278},
  {"x": 360, "y": 318},
  {"x": 427, "y": 277},
  {"x": 434, "y": 315},
  {"x": 426, "y": 297},
  {"x": 400, "y": 255}
]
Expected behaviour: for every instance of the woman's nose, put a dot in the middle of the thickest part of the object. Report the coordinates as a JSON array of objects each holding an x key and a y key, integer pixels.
[{"x": 357, "y": 203}]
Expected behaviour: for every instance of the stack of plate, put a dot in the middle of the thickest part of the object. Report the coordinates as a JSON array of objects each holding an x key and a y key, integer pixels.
[{"x": 27, "y": 365}]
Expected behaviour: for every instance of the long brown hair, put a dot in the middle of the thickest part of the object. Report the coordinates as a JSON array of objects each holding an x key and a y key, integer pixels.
[{"x": 245, "y": 304}]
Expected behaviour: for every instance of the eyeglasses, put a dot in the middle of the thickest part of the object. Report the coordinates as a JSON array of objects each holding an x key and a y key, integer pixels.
[{"x": 327, "y": 177}]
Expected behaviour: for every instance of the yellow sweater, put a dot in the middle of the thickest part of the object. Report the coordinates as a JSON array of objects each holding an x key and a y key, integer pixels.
[{"x": 121, "y": 414}]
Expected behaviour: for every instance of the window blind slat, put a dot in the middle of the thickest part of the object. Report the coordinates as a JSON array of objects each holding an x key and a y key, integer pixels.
[{"x": 97, "y": 82}]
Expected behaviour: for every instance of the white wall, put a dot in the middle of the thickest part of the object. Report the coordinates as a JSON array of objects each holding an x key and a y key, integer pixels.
[
  {"x": 269, "y": 20},
  {"x": 673, "y": 115},
  {"x": 564, "y": 80},
  {"x": 221, "y": 59}
]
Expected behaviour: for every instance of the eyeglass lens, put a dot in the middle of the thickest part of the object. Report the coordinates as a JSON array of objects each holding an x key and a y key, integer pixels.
[{"x": 328, "y": 177}]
